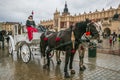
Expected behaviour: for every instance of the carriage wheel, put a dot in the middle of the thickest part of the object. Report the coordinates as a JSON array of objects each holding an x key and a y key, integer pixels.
[
  {"x": 10, "y": 47},
  {"x": 25, "y": 52}
]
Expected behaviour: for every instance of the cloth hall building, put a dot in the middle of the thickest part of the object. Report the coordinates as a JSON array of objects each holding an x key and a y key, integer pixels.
[{"x": 110, "y": 19}]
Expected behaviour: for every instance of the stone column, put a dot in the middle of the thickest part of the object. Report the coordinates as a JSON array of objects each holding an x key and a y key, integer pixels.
[
  {"x": 59, "y": 23},
  {"x": 68, "y": 24},
  {"x": 54, "y": 23}
]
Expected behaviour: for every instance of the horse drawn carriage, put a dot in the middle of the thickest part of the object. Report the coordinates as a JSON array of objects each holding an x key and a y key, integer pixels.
[
  {"x": 19, "y": 43},
  {"x": 62, "y": 41}
]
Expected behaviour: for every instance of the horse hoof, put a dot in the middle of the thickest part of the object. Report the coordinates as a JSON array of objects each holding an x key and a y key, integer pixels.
[
  {"x": 100, "y": 41},
  {"x": 45, "y": 66},
  {"x": 67, "y": 75},
  {"x": 82, "y": 68},
  {"x": 72, "y": 71},
  {"x": 59, "y": 62}
]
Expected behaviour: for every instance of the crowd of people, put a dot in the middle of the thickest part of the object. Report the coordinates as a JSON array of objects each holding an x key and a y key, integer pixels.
[{"x": 113, "y": 39}]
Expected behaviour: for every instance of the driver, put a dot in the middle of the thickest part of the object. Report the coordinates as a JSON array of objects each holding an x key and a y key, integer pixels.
[{"x": 30, "y": 23}]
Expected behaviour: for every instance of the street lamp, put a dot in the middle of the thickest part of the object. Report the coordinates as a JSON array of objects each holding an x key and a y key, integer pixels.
[{"x": 119, "y": 29}]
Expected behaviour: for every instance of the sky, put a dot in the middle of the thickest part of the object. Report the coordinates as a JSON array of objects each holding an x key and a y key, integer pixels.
[{"x": 19, "y": 10}]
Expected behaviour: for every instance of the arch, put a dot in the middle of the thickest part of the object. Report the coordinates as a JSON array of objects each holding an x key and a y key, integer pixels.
[{"x": 107, "y": 32}]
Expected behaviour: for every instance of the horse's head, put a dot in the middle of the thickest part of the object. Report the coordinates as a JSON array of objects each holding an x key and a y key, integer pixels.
[
  {"x": 98, "y": 26},
  {"x": 86, "y": 28},
  {"x": 91, "y": 30}
]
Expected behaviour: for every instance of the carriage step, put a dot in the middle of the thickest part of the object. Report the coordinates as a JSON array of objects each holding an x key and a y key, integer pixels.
[
  {"x": 35, "y": 53},
  {"x": 35, "y": 47}
]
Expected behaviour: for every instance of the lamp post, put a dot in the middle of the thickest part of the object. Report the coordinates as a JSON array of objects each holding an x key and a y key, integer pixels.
[
  {"x": 119, "y": 38},
  {"x": 119, "y": 29}
]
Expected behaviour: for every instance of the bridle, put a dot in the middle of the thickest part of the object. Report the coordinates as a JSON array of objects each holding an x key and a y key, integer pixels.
[{"x": 88, "y": 35}]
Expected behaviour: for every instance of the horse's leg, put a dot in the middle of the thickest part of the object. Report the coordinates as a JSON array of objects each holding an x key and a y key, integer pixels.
[
  {"x": 3, "y": 44},
  {"x": 48, "y": 58},
  {"x": 67, "y": 57},
  {"x": 81, "y": 57},
  {"x": 58, "y": 57},
  {"x": 8, "y": 41},
  {"x": 43, "y": 47},
  {"x": 71, "y": 61},
  {"x": 43, "y": 54}
]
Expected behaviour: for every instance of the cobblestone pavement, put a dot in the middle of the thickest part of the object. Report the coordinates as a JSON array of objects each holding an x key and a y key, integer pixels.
[{"x": 102, "y": 67}]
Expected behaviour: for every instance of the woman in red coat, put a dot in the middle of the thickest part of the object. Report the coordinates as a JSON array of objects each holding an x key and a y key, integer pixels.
[{"x": 30, "y": 27}]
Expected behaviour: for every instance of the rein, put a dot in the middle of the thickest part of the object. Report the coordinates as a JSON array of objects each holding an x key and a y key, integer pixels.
[
  {"x": 67, "y": 43},
  {"x": 72, "y": 41}
]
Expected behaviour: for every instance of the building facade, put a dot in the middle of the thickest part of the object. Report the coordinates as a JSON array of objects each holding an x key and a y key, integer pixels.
[
  {"x": 110, "y": 19},
  {"x": 9, "y": 26},
  {"x": 1, "y": 25}
]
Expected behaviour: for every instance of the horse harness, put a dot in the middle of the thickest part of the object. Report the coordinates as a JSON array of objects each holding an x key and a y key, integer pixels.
[
  {"x": 47, "y": 35},
  {"x": 58, "y": 39}
]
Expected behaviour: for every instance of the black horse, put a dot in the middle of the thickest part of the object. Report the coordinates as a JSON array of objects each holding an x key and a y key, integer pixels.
[
  {"x": 62, "y": 41},
  {"x": 2, "y": 34}
]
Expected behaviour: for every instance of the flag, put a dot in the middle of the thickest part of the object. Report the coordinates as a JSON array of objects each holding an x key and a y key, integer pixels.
[{"x": 32, "y": 12}]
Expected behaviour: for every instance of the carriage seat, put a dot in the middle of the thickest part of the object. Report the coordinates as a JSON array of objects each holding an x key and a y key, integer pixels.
[{"x": 25, "y": 29}]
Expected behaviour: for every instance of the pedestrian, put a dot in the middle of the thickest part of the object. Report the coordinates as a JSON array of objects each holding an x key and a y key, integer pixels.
[
  {"x": 113, "y": 40},
  {"x": 119, "y": 38},
  {"x": 30, "y": 23},
  {"x": 110, "y": 41}
]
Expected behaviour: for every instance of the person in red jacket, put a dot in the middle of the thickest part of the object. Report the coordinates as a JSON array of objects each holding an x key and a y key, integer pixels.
[
  {"x": 110, "y": 41},
  {"x": 30, "y": 23}
]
